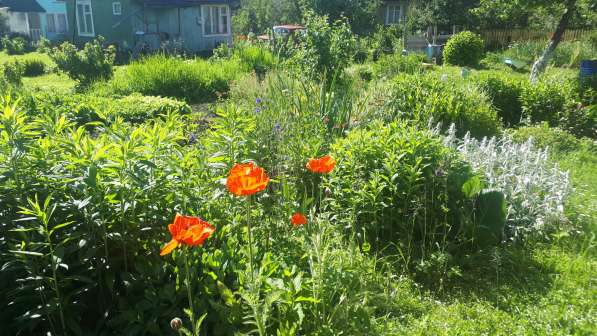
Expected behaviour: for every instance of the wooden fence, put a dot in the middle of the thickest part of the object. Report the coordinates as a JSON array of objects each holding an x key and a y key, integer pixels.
[{"x": 502, "y": 38}]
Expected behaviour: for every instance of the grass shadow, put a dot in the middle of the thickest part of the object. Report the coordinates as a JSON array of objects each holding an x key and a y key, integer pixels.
[{"x": 506, "y": 277}]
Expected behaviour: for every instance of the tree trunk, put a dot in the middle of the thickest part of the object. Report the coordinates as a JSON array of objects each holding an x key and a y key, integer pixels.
[{"x": 540, "y": 65}]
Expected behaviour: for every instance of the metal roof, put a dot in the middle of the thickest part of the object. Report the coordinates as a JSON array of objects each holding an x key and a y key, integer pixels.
[{"x": 22, "y": 6}]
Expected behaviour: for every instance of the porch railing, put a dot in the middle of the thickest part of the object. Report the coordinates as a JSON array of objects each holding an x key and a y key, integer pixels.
[{"x": 35, "y": 34}]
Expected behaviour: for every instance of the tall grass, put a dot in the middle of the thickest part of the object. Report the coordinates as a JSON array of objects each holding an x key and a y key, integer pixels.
[
  {"x": 195, "y": 81},
  {"x": 567, "y": 54}
]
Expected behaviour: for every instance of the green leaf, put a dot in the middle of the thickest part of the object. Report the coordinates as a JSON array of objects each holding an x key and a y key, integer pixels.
[
  {"x": 35, "y": 254},
  {"x": 472, "y": 187},
  {"x": 60, "y": 226}
]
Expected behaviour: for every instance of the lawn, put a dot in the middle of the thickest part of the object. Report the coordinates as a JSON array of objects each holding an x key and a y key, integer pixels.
[{"x": 297, "y": 191}]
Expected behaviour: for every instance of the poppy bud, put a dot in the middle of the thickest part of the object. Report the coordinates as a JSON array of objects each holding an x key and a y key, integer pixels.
[{"x": 176, "y": 323}]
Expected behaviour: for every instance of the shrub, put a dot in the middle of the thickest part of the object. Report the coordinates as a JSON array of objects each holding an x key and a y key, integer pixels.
[
  {"x": 403, "y": 186},
  {"x": 255, "y": 58},
  {"x": 464, "y": 49},
  {"x": 385, "y": 40},
  {"x": 325, "y": 48},
  {"x": 543, "y": 136},
  {"x": 195, "y": 81},
  {"x": 83, "y": 109},
  {"x": 44, "y": 45},
  {"x": 535, "y": 189},
  {"x": 13, "y": 72},
  {"x": 394, "y": 64},
  {"x": 422, "y": 98},
  {"x": 85, "y": 66},
  {"x": 544, "y": 101},
  {"x": 33, "y": 67},
  {"x": 15, "y": 46},
  {"x": 505, "y": 92}
]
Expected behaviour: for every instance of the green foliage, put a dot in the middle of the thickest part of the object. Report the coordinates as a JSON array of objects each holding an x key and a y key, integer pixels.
[
  {"x": 258, "y": 16},
  {"x": 544, "y": 101},
  {"x": 325, "y": 48},
  {"x": 88, "y": 65},
  {"x": 15, "y": 46},
  {"x": 400, "y": 185},
  {"x": 195, "y": 81},
  {"x": 83, "y": 109},
  {"x": 385, "y": 40},
  {"x": 44, "y": 45},
  {"x": 361, "y": 14},
  {"x": 505, "y": 92},
  {"x": 558, "y": 140},
  {"x": 464, "y": 49},
  {"x": 13, "y": 72},
  {"x": 254, "y": 57},
  {"x": 33, "y": 67},
  {"x": 567, "y": 54},
  {"x": 490, "y": 218},
  {"x": 389, "y": 66},
  {"x": 422, "y": 98}
]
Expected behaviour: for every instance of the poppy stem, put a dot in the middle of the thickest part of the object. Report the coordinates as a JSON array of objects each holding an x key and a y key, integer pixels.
[
  {"x": 189, "y": 289},
  {"x": 249, "y": 236}
]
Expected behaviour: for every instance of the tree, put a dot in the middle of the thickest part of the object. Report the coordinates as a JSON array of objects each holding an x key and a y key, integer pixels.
[
  {"x": 540, "y": 65},
  {"x": 442, "y": 13},
  {"x": 257, "y": 16},
  {"x": 525, "y": 12},
  {"x": 361, "y": 14}
]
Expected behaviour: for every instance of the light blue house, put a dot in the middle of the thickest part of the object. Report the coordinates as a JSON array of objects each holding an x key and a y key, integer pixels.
[
  {"x": 36, "y": 18},
  {"x": 54, "y": 23}
]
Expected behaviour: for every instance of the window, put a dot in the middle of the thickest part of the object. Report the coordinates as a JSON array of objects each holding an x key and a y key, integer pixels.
[
  {"x": 216, "y": 20},
  {"x": 50, "y": 23},
  {"x": 393, "y": 14},
  {"x": 116, "y": 8},
  {"x": 56, "y": 23},
  {"x": 84, "y": 18},
  {"x": 61, "y": 23}
]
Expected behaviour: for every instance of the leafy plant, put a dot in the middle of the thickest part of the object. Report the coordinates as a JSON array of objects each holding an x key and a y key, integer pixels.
[
  {"x": 422, "y": 98},
  {"x": 87, "y": 65},
  {"x": 33, "y": 67},
  {"x": 192, "y": 80},
  {"x": 325, "y": 48},
  {"x": 464, "y": 49},
  {"x": 505, "y": 92},
  {"x": 402, "y": 188},
  {"x": 13, "y": 72},
  {"x": 535, "y": 189},
  {"x": 15, "y": 46}
]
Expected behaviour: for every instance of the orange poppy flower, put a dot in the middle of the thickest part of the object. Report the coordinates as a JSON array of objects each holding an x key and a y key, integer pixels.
[
  {"x": 246, "y": 179},
  {"x": 187, "y": 230},
  {"x": 298, "y": 219},
  {"x": 323, "y": 165}
]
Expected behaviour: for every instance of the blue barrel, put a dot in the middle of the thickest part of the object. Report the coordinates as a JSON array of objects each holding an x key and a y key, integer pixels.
[{"x": 588, "y": 68}]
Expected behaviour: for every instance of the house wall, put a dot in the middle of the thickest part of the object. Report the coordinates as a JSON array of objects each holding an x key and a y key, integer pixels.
[
  {"x": 180, "y": 25},
  {"x": 150, "y": 25},
  {"x": 382, "y": 12},
  {"x": 17, "y": 21},
  {"x": 52, "y": 7},
  {"x": 116, "y": 29}
]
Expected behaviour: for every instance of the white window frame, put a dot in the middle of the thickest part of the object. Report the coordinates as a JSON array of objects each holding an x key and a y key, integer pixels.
[
  {"x": 117, "y": 5},
  {"x": 84, "y": 2},
  {"x": 51, "y": 28},
  {"x": 56, "y": 27},
  {"x": 205, "y": 8},
  {"x": 391, "y": 10},
  {"x": 56, "y": 16}
]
